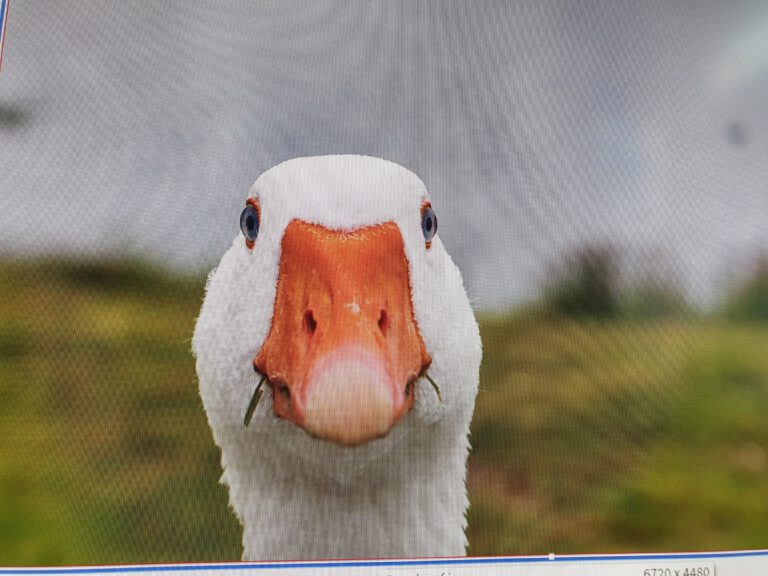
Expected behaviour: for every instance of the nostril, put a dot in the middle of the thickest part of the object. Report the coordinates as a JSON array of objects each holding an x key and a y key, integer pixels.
[
  {"x": 384, "y": 322},
  {"x": 284, "y": 392},
  {"x": 310, "y": 324}
]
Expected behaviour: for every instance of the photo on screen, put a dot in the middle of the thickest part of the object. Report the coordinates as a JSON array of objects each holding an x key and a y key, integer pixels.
[{"x": 345, "y": 280}]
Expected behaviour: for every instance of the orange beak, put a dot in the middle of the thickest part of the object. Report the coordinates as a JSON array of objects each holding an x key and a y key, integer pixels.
[{"x": 343, "y": 350}]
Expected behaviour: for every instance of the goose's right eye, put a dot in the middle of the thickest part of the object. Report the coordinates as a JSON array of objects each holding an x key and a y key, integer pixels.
[
  {"x": 249, "y": 223},
  {"x": 428, "y": 223}
]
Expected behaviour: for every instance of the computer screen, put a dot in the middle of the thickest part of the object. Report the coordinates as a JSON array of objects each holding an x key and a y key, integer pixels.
[{"x": 299, "y": 281}]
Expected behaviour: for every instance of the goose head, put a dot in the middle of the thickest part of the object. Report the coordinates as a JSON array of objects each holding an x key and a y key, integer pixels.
[{"x": 339, "y": 297}]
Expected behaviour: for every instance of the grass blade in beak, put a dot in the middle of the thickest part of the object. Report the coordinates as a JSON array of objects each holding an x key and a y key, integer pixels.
[
  {"x": 437, "y": 389},
  {"x": 254, "y": 402}
]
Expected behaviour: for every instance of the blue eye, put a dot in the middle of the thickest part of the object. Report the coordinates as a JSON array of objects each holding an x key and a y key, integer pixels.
[
  {"x": 428, "y": 223},
  {"x": 249, "y": 223}
]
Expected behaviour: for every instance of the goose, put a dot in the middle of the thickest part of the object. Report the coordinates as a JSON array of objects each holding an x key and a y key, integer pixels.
[{"x": 338, "y": 361}]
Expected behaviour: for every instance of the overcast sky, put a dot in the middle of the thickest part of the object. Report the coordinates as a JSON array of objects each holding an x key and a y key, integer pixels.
[{"x": 137, "y": 128}]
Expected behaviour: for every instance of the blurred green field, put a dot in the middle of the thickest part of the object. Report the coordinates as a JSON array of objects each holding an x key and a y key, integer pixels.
[{"x": 589, "y": 436}]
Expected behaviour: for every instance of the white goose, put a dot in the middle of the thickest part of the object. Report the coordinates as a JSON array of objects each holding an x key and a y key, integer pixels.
[{"x": 341, "y": 297}]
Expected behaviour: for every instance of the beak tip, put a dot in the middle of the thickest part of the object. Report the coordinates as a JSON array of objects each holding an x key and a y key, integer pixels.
[{"x": 350, "y": 399}]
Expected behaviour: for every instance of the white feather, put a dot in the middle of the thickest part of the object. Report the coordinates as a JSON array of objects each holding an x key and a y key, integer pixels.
[{"x": 299, "y": 498}]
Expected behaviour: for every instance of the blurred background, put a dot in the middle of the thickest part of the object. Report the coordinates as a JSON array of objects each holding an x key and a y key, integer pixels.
[{"x": 599, "y": 173}]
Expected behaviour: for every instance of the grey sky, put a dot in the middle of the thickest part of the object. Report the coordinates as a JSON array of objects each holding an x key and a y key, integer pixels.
[{"x": 537, "y": 127}]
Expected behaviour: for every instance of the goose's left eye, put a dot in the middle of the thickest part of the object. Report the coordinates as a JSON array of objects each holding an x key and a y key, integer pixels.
[
  {"x": 428, "y": 223},
  {"x": 249, "y": 223}
]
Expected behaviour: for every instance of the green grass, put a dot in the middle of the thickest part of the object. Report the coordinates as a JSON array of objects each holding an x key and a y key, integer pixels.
[
  {"x": 589, "y": 436},
  {"x": 619, "y": 437},
  {"x": 106, "y": 456}
]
